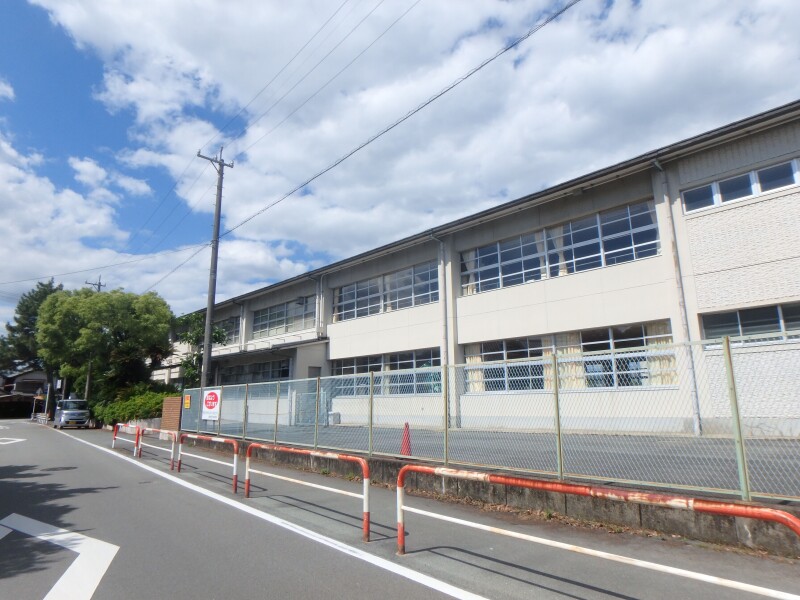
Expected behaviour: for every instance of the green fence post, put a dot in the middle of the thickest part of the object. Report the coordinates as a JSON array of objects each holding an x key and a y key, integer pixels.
[
  {"x": 371, "y": 398},
  {"x": 277, "y": 403},
  {"x": 741, "y": 459},
  {"x": 445, "y": 388},
  {"x": 244, "y": 410},
  {"x": 557, "y": 408},
  {"x": 316, "y": 418}
]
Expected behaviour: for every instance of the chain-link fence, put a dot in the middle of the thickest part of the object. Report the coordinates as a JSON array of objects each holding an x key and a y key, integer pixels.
[{"x": 717, "y": 416}]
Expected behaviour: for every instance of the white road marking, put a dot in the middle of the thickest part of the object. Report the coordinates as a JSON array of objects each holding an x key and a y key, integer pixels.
[
  {"x": 4, "y": 531},
  {"x": 83, "y": 576},
  {"x": 382, "y": 563},
  {"x": 4, "y": 441},
  {"x": 428, "y": 581}
]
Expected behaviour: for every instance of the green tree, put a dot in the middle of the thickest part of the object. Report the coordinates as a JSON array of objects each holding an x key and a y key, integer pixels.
[
  {"x": 123, "y": 337},
  {"x": 18, "y": 349},
  {"x": 191, "y": 332}
]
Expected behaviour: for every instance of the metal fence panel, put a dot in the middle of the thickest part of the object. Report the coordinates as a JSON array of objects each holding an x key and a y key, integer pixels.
[
  {"x": 493, "y": 425},
  {"x": 231, "y": 413},
  {"x": 767, "y": 383},
  {"x": 665, "y": 415}
]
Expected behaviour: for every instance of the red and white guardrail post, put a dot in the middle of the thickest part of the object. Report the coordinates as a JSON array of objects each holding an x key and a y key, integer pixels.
[
  {"x": 208, "y": 438},
  {"x": 715, "y": 507},
  {"x": 136, "y": 432},
  {"x": 329, "y": 455},
  {"x": 172, "y": 436}
]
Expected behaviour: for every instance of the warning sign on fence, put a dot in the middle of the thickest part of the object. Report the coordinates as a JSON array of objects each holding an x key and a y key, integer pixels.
[{"x": 211, "y": 402}]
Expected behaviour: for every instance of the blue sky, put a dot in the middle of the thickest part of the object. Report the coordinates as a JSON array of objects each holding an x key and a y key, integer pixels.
[{"x": 104, "y": 104}]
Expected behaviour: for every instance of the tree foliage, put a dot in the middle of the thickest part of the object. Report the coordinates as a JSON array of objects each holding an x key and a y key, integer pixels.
[
  {"x": 191, "y": 332},
  {"x": 122, "y": 335},
  {"x": 18, "y": 349}
]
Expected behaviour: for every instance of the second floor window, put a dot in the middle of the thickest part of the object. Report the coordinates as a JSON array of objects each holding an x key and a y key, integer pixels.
[
  {"x": 413, "y": 286},
  {"x": 231, "y": 328},
  {"x": 603, "y": 239},
  {"x": 295, "y": 315}
]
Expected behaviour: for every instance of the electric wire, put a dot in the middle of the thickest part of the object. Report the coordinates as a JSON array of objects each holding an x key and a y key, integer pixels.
[
  {"x": 307, "y": 73},
  {"x": 274, "y": 77},
  {"x": 409, "y": 114},
  {"x": 327, "y": 83}
]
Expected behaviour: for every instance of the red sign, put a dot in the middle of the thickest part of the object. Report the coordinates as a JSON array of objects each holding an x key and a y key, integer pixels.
[{"x": 211, "y": 400}]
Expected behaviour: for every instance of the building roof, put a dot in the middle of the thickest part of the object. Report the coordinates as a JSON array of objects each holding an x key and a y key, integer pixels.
[{"x": 644, "y": 162}]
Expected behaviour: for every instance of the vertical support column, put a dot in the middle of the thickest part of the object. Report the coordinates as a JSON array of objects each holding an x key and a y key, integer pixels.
[
  {"x": 316, "y": 417},
  {"x": 557, "y": 409},
  {"x": 219, "y": 418},
  {"x": 741, "y": 459},
  {"x": 245, "y": 410},
  {"x": 200, "y": 409},
  {"x": 445, "y": 397},
  {"x": 371, "y": 399},
  {"x": 277, "y": 405}
]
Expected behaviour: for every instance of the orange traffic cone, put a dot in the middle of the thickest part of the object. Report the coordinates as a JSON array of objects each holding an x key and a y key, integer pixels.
[{"x": 405, "y": 447}]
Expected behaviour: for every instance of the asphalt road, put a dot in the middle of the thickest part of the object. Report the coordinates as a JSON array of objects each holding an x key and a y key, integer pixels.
[{"x": 132, "y": 529}]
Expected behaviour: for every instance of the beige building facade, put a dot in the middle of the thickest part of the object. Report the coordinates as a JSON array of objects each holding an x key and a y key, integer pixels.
[{"x": 690, "y": 242}]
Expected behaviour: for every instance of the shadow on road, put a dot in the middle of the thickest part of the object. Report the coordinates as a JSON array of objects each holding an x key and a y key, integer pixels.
[{"x": 24, "y": 489}]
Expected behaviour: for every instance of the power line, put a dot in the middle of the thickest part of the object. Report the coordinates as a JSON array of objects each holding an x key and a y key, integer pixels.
[
  {"x": 274, "y": 77},
  {"x": 327, "y": 83},
  {"x": 303, "y": 78},
  {"x": 409, "y": 114}
]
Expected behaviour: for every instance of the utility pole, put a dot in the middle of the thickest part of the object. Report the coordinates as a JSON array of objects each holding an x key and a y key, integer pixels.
[
  {"x": 219, "y": 165},
  {"x": 97, "y": 284}
]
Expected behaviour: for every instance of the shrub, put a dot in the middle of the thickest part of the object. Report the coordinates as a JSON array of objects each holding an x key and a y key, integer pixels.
[{"x": 142, "y": 405}]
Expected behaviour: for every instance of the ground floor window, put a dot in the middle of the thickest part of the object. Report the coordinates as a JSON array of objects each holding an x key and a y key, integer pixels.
[
  {"x": 607, "y": 357},
  {"x": 417, "y": 372}
]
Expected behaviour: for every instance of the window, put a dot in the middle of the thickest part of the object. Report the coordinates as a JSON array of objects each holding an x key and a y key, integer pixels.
[
  {"x": 295, "y": 315},
  {"x": 608, "y": 357},
  {"x": 764, "y": 322},
  {"x": 255, "y": 373},
  {"x": 418, "y": 373},
  {"x": 615, "y": 369},
  {"x": 231, "y": 328},
  {"x": 413, "y": 286},
  {"x": 742, "y": 186},
  {"x": 603, "y": 239},
  {"x": 504, "y": 365}
]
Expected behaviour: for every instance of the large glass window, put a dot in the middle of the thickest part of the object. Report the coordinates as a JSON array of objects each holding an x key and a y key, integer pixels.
[
  {"x": 742, "y": 186},
  {"x": 231, "y": 328},
  {"x": 504, "y": 365},
  {"x": 607, "y": 238},
  {"x": 757, "y": 324},
  {"x": 417, "y": 373},
  {"x": 275, "y": 370},
  {"x": 413, "y": 286},
  {"x": 608, "y": 357},
  {"x": 296, "y": 315}
]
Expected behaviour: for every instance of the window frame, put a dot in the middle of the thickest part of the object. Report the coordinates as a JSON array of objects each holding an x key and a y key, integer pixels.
[
  {"x": 562, "y": 249},
  {"x": 756, "y": 188}
]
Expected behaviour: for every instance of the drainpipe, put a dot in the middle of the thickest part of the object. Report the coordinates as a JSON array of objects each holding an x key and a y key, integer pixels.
[{"x": 696, "y": 422}]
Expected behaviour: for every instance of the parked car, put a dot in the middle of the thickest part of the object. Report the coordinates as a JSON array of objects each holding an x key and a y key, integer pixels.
[{"x": 71, "y": 413}]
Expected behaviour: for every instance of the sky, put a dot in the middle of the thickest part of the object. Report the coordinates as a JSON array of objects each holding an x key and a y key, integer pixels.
[{"x": 104, "y": 105}]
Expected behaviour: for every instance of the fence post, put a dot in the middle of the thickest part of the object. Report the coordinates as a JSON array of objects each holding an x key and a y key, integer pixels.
[
  {"x": 316, "y": 418},
  {"x": 221, "y": 401},
  {"x": 446, "y": 415},
  {"x": 200, "y": 409},
  {"x": 371, "y": 398},
  {"x": 244, "y": 410},
  {"x": 277, "y": 403},
  {"x": 741, "y": 460},
  {"x": 557, "y": 408}
]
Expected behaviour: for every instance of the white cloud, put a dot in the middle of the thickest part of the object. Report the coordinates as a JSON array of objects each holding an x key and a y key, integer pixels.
[
  {"x": 600, "y": 85},
  {"x": 6, "y": 91}
]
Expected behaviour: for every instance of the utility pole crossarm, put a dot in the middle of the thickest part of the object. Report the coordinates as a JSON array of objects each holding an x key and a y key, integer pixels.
[{"x": 219, "y": 165}]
